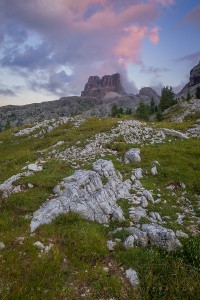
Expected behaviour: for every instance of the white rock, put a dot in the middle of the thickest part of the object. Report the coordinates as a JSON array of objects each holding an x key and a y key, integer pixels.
[
  {"x": 161, "y": 236},
  {"x": 136, "y": 213},
  {"x": 180, "y": 233},
  {"x": 2, "y": 245},
  {"x": 34, "y": 167},
  {"x": 132, "y": 155},
  {"x": 154, "y": 170},
  {"x": 175, "y": 133},
  {"x": 129, "y": 242},
  {"x": 39, "y": 245},
  {"x": 143, "y": 202},
  {"x": 140, "y": 237},
  {"x": 138, "y": 173},
  {"x": 148, "y": 195},
  {"x": 133, "y": 277},
  {"x": 111, "y": 245},
  {"x": 84, "y": 193}
]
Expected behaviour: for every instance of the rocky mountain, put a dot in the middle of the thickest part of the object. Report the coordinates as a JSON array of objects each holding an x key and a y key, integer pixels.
[
  {"x": 101, "y": 87},
  {"x": 194, "y": 82},
  {"x": 97, "y": 99}
]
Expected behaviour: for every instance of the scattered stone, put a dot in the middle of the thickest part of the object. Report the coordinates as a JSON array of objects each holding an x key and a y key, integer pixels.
[
  {"x": 140, "y": 237},
  {"x": 111, "y": 245},
  {"x": 175, "y": 133},
  {"x": 143, "y": 202},
  {"x": 2, "y": 246},
  {"x": 138, "y": 173},
  {"x": 136, "y": 213},
  {"x": 133, "y": 277},
  {"x": 181, "y": 234},
  {"x": 42, "y": 247},
  {"x": 154, "y": 170},
  {"x": 129, "y": 242},
  {"x": 34, "y": 167},
  {"x": 148, "y": 195},
  {"x": 132, "y": 155}
]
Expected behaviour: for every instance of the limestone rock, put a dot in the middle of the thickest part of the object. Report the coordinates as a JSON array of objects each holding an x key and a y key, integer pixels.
[
  {"x": 138, "y": 173},
  {"x": 154, "y": 170},
  {"x": 84, "y": 193},
  {"x": 140, "y": 237},
  {"x": 161, "y": 236},
  {"x": 111, "y": 245},
  {"x": 132, "y": 155},
  {"x": 2, "y": 245},
  {"x": 136, "y": 213},
  {"x": 133, "y": 277},
  {"x": 175, "y": 133},
  {"x": 34, "y": 167}
]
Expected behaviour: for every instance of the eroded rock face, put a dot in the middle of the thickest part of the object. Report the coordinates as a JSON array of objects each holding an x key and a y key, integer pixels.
[
  {"x": 84, "y": 193},
  {"x": 195, "y": 75},
  {"x": 98, "y": 87}
]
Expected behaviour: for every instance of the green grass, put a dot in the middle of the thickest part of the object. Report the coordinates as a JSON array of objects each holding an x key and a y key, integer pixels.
[{"x": 76, "y": 263}]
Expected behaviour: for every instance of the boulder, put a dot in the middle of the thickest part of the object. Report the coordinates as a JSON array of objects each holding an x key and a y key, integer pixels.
[
  {"x": 136, "y": 213},
  {"x": 84, "y": 193},
  {"x": 140, "y": 237},
  {"x": 133, "y": 155},
  {"x": 162, "y": 237},
  {"x": 133, "y": 277}
]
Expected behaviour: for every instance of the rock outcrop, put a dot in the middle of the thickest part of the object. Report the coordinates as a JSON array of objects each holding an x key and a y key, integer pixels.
[
  {"x": 85, "y": 193},
  {"x": 147, "y": 93},
  {"x": 194, "y": 81},
  {"x": 195, "y": 75},
  {"x": 98, "y": 87}
]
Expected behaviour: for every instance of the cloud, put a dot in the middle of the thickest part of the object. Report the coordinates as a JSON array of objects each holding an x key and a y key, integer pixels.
[
  {"x": 193, "y": 57},
  {"x": 39, "y": 37},
  {"x": 194, "y": 16},
  {"x": 7, "y": 92}
]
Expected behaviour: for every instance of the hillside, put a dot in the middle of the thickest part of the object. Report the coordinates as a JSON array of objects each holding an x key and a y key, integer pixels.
[{"x": 100, "y": 208}]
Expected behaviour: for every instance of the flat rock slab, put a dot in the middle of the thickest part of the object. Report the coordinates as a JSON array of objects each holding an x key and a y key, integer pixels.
[{"x": 84, "y": 193}]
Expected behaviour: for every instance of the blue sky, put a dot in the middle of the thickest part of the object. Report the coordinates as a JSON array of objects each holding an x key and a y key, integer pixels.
[{"x": 48, "y": 48}]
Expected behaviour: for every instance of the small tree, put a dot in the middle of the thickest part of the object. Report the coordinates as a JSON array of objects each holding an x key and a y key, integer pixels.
[
  {"x": 198, "y": 92},
  {"x": 152, "y": 106},
  {"x": 188, "y": 98},
  {"x": 114, "y": 110},
  {"x": 167, "y": 98},
  {"x": 142, "y": 111},
  {"x": 159, "y": 116}
]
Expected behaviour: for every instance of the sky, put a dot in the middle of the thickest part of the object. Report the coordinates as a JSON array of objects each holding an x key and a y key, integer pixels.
[{"x": 49, "y": 48}]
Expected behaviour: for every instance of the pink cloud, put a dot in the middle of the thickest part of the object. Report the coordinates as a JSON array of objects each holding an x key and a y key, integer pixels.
[
  {"x": 165, "y": 2},
  {"x": 83, "y": 34},
  {"x": 154, "y": 35},
  {"x": 129, "y": 45}
]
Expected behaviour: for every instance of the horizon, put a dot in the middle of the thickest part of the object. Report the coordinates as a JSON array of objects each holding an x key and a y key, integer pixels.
[{"x": 49, "y": 49}]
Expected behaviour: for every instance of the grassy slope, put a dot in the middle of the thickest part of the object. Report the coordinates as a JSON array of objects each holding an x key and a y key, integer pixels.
[{"x": 74, "y": 267}]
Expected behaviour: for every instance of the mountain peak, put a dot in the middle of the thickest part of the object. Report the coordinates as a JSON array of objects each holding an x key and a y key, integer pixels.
[{"x": 98, "y": 87}]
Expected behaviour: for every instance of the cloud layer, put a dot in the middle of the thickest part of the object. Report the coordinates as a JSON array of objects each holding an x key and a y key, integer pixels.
[{"x": 56, "y": 45}]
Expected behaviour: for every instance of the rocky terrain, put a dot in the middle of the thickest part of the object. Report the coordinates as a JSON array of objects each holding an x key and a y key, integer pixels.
[
  {"x": 90, "y": 204},
  {"x": 94, "y": 207},
  {"x": 97, "y": 99}
]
